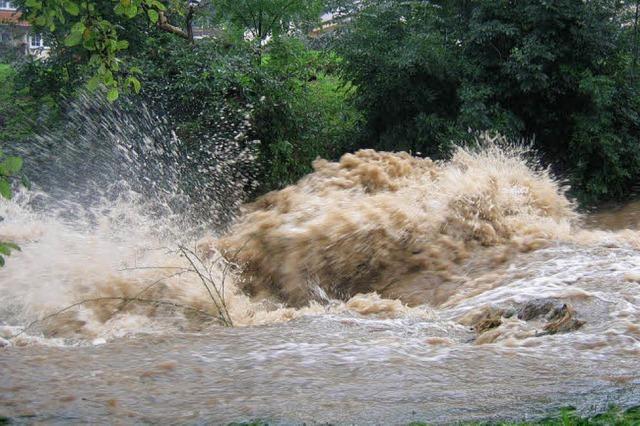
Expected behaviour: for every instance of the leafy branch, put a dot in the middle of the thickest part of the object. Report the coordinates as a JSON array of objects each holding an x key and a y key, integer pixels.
[
  {"x": 99, "y": 36},
  {"x": 9, "y": 169}
]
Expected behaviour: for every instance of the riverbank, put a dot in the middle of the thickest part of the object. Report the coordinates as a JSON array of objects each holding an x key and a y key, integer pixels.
[{"x": 566, "y": 417}]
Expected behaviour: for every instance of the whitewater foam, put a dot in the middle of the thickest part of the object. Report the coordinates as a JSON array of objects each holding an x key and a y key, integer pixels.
[{"x": 391, "y": 223}]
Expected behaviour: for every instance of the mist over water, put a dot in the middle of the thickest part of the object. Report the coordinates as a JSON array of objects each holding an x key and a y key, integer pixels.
[{"x": 382, "y": 284}]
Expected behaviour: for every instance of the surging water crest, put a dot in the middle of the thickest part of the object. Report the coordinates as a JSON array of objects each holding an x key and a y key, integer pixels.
[
  {"x": 397, "y": 225},
  {"x": 114, "y": 196}
]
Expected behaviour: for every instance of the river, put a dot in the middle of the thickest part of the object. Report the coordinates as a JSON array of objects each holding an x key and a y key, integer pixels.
[{"x": 381, "y": 289}]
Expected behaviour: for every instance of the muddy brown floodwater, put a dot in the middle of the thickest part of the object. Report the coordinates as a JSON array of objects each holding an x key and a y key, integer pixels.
[{"x": 380, "y": 289}]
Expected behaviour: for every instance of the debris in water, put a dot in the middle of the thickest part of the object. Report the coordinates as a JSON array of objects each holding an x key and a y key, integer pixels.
[{"x": 562, "y": 320}]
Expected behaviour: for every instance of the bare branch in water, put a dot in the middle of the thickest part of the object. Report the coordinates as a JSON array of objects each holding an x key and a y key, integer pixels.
[
  {"x": 136, "y": 268},
  {"x": 147, "y": 288},
  {"x": 209, "y": 283},
  {"x": 206, "y": 278}
]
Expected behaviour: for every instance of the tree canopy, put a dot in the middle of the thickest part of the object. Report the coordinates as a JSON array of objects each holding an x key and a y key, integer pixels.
[
  {"x": 412, "y": 75},
  {"x": 561, "y": 73}
]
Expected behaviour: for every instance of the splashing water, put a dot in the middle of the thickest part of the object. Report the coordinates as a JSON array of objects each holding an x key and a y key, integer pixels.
[
  {"x": 382, "y": 285},
  {"x": 105, "y": 154},
  {"x": 396, "y": 224},
  {"x": 102, "y": 229}
]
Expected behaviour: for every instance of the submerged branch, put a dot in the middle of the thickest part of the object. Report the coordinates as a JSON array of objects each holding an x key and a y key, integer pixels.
[{"x": 218, "y": 302}]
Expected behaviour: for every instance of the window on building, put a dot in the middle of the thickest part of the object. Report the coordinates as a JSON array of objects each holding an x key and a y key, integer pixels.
[
  {"x": 36, "y": 41},
  {"x": 7, "y": 5}
]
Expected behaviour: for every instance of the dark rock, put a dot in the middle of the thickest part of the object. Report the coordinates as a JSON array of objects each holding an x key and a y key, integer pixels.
[
  {"x": 562, "y": 320},
  {"x": 558, "y": 316},
  {"x": 491, "y": 318},
  {"x": 537, "y": 308}
]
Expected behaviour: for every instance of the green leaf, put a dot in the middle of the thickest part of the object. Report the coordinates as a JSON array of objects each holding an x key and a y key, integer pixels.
[
  {"x": 1, "y": 261},
  {"x": 5, "y": 248},
  {"x": 122, "y": 44},
  {"x": 5, "y": 189},
  {"x": 93, "y": 83},
  {"x": 153, "y": 15},
  {"x": 25, "y": 182},
  {"x": 78, "y": 27},
  {"x": 12, "y": 246},
  {"x": 73, "y": 39},
  {"x": 131, "y": 11},
  {"x": 71, "y": 8},
  {"x": 135, "y": 83},
  {"x": 158, "y": 5},
  {"x": 95, "y": 60},
  {"x": 12, "y": 165},
  {"x": 107, "y": 77},
  {"x": 113, "y": 94}
]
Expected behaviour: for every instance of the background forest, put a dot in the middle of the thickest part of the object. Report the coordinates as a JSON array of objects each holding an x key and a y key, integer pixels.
[{"x": 321, "y": 78}]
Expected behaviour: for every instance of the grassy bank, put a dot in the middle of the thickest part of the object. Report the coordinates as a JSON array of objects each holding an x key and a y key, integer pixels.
[{"x": 566, "y": 417}]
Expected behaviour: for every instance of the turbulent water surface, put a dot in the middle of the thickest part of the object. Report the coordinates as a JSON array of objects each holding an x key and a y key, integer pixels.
[{"x": 382, "y": 288}]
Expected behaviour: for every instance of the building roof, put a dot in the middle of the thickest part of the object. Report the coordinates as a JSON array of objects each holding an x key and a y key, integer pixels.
[{"x": 12, "y": 17}]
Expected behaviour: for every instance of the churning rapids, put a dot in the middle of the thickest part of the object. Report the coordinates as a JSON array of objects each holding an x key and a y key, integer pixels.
[{"x": 383, "y": 288}]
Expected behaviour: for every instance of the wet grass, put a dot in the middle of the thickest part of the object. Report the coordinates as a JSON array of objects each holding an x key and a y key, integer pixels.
[{"x": 567, "y": 417}]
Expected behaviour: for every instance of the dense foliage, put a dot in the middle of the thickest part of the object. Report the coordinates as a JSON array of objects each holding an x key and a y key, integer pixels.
[
  {"x": 268, "y": 18},
  {"x": 9, "y": 168},
  {"x": 296, "y": 102},
  {"x": 412, "y": 75},
  {"x": 561, "y": 73}
]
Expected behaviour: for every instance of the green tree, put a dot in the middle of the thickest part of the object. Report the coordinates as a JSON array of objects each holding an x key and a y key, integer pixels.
[
  {"x": 266, "y": 18},
  {"x": 563, "y": 71},
  {"x": 9, "y": 168},
  {"x": 293, "y": 98},
  {"x": 559, "y": 73},
  {"x": 97, "y": 32},
  {"x": 407, "y": 71},
  {"x": 305, "y": 111}
]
